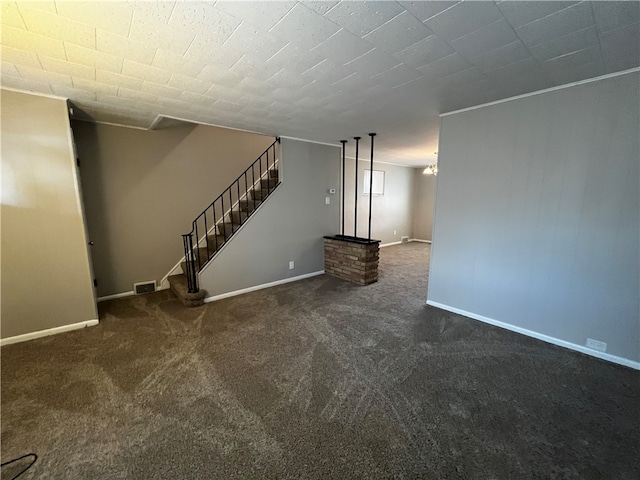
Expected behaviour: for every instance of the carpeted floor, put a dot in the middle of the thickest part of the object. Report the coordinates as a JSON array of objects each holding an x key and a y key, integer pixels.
[{"x": 314, "y": 379}]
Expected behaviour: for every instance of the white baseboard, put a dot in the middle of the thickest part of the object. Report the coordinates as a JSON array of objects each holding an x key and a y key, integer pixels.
[
  {"x": 260, "y": 287},
  {"x": 47, "y": 332},
  {"x": 116, "y": 295},
  {"x": 399, "y": 243},
  {"x": 545, "y": 338},
  {"x": 382, "y": 245}
]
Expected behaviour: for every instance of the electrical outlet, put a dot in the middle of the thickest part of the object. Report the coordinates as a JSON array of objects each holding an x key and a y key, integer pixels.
[
  {"x": 291, "y": 265},
  {"x": 395, "y": 232},
  {"x": 327, "y": 200},
  {"x": 596, "y": 345}
]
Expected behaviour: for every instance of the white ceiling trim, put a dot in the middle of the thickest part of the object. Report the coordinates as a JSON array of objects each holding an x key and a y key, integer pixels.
[{"x": 546, "y": 90}]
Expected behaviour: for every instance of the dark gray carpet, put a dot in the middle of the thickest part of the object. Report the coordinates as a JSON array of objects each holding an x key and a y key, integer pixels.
[{"x": 315, "y": 379}]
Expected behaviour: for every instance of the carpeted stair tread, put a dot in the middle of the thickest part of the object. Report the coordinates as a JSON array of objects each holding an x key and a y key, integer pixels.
[
  {"x": 268, "y": 183},
  {"x": 273, "y": 172},
  {"x": 259, "y": 194},
  {"x": 238, "y": 216},
  {"x": 179, "y": 287},
  {"x": 249, "y": 205},
  {"x": 227, "y": 229}
]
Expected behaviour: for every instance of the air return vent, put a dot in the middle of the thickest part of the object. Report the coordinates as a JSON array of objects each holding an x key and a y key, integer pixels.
[
  {"x": 144, "y": 287},
  {"x": 404, "y": 239}
]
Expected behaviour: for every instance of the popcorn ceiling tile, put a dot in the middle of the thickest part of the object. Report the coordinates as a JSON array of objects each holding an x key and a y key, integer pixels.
[
  {"x": 113, "y": 44},
  {"x": 574, "y": 59},
  {"x": 445, "y": 66},
  {"x": 501, "y": 56},
  {"x": 328, "y": 72},
  {"x": 93, "y": 58},
  {"x": 10, "y": 15},
  {"x": 119, "y": 80},
  {"x": 425, "y": 51},
  {"x": 362, "y": 18},
  {"x": 202, "y": 18},
  {"x": 60, "y": 28},
  {"x": 290, "y": 80},
  {"x": 76, "y": 94},
  {"x": 262, "y": 15},
  {"x": 220, "y": 92},
  {"x": 172, "y": 62},
  {"x": 495, "y": 35},
  {"x": 321, "y": 7},
  {"x": 182, "y": 82},
  {"x": 424, "y": 10},
  {"x": 614, "y": 15},
  {"x": 526, "y": 67},
  {"x": 67, "y": 68},
  {"x": 255, "y": 87},
  {"x": 577, "y": 73},
  {"x": 398, "y": 33},
  {"x": 352, "y": 82},
  {"x": 110, "y": 16},
  {"x": 398, "y": 75},
  {"x": 97, "y": 87},
  {"x": 145, "y": 72},
  {"x": 219, "y": 76},
  {"x": 472, "y": 75},
  {"x": 197, "y": 99},
  {"x": 256, "y": 101},
  {"x": 254, "y": 42},
  {"x": 569, "y": 43},
  {"x": 160, "y": 90},
  {"x": 9, "y": 69},
  {"x": 28, "y": 84},
  {"x": 556, "y": 25},
  {"x": 209, "y": 50},
  {"x": 373, "y": 62},
  {"x": 294, "y": 58},
  {"x": 158, "y": 11},
  {"x": 44, "y": 76},
  {"x": 33, "y": 43},
  {"x": 621, "y": 47},
  {"x": 136, "y": 95},
  {"x": 463, "y": 18},
  {"x": 250, "y": 68},
  {"x": 19, "y": 57},
  {"x": 342, "y": 47},
  {"x": 167, "y": 37},
  {"x": 521, "y": 13},
  {"x": 304, "y": 27},
  {"x": 227, "y": 106}
]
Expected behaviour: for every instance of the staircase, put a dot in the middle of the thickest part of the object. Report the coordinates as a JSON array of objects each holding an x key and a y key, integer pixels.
[{"x": 219, "y": 222}]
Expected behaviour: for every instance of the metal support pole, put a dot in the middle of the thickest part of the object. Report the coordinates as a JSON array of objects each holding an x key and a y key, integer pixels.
[
  {"x": 355, "y": 212},
  {"x": 371, "y": 182},
  {"x": 344, "y": 147}
]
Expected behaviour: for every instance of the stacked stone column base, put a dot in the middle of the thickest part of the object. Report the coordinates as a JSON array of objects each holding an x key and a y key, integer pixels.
[{"x": 352, "y": 260}]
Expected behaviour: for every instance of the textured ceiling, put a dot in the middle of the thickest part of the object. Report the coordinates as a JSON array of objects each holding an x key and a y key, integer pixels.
[{"x": 320, "y": 71}]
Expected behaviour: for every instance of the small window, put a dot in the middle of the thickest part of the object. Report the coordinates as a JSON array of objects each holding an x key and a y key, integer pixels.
[{"x": 378, "y": 182}]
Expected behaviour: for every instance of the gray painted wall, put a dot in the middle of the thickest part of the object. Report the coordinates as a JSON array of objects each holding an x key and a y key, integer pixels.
[
  {"x": 46, "y": 276},
  {"x": 288, "y": 226},
  {"x": 424, "y": 196},
  {"x": 391, "y": 211},
  {"x": 537, "y": 214},
  {"x": 143, "y": 189}
]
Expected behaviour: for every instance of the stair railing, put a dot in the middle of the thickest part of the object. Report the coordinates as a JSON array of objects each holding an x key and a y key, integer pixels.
[{"x": 199, "y": 249}]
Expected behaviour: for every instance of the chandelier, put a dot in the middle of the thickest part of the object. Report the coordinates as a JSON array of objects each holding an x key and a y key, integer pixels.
[{"x": 432, "y": 169}]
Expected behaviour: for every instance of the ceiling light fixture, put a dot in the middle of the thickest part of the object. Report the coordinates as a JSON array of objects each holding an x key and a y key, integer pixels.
[{"x": 432, "y": 169}]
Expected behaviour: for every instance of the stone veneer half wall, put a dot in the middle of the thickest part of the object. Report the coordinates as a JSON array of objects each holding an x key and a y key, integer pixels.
[{"x": 352, "y": 259}]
